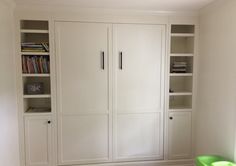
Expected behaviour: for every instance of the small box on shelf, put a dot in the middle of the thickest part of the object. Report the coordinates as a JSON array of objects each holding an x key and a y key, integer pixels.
[
  {"x": 34, "y": 88},
  {"x": 36, "y": 85}
]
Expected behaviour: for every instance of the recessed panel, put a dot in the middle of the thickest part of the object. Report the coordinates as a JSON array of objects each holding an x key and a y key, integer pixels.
[
  {"x": 83, "y": 83},
  {"x": 138, "y": 135},
  {"x": 84, "y": 138}
]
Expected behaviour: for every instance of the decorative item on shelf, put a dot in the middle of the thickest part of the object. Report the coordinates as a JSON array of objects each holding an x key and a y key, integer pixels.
[
  {"x": 35, "y": 47},
  {"x": 35, "y": 64},
  {"x": 34, "y": 88},
  {"x": 179, "y": 67}
]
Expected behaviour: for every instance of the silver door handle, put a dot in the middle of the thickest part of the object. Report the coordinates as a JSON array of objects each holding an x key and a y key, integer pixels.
[
  {"x": 103, "y": 59},
  {"x": 121, "y": 60}
]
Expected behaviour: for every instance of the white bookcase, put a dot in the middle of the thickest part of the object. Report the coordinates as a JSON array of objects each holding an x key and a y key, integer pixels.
[
  {"x": 35, "y": 107},
  {"x": 33, "y": 60},
  {"x": 181, "y": 67},
  {"x": 181, "y": 79}
]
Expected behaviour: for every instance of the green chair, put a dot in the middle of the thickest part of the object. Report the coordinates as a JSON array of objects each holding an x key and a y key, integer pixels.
[
  {"x": 223, "y": 163},
  {"x": 208, "y": 160}
]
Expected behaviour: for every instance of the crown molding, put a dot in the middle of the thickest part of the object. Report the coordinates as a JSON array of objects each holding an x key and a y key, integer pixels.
[{"x": 77, "y": 9}]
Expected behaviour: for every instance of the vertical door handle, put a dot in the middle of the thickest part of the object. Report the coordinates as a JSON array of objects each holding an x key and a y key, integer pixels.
[
  {"x": 103, "y": 63},
  {"x": 121, "y": 60}
]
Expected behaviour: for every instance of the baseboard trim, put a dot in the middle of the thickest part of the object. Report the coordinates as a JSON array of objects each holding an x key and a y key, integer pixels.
[{"x": 189, "y": 162}]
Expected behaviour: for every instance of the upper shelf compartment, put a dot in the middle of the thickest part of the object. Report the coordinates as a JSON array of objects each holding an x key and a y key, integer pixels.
[
  {"x": 182, "y": 29},
  {"x": 182, "y": 39},
  {"x": 34, "y": 36},
  {"x": 34, "y": 25}
]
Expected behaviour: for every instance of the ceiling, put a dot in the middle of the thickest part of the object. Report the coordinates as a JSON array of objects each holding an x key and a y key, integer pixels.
[{"x": 155, "y": 5}]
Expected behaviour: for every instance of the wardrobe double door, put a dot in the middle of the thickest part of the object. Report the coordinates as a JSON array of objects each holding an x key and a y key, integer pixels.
[
  {"x": 109, "y": 92},
  {"x": 138, "y": 53}
]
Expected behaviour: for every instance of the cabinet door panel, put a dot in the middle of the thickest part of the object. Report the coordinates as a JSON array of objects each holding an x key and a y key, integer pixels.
[
  {"x": 83, "y": 92},
  {"x": 138, "y": 91},
  {"x": 138, "y": 84},
  {"x": 84, "y": 138},
  {"x": 180, "y": 135},
  {"x": 138, "y": 135},
  {"x": 38, "y": 141},
  {"x": 83, "y": 84}
]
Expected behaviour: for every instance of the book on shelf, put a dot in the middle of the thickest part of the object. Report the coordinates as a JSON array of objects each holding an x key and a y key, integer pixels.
[
  {"x": 179, "y": 67},
  {"x": 35, "y": 64},
  {"x": 35, "y": 47}
]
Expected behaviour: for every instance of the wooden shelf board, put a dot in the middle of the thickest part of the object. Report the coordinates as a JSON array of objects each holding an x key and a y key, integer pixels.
[
  {"x": 180, "y": 109},
  {"x": 181, "y": 94},
  {"x": 36, "y": 113},
  {"x": 33, "y": 31},
  {"x": 181, "y": 74},
  {"x": 35, "y": 75},
  {"x": 182, "y": 34},
  {"x": 182, "y": 55},
  {"x": 36, "y": 96},
  {"x": 35, "y": 53}
]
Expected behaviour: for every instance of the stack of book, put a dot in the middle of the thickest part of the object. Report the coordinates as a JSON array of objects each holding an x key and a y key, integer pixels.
[
  {"x": 179, "y": 67},
  {"x": 35, "y": 47},
  {"x": 35, "y": 64}
]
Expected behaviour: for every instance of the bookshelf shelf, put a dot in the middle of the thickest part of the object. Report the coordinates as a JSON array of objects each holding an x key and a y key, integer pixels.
[
  {"x": 33, "y": 31},
  {"x": 181, "y": 55},
  {"x": 181, "y": 109},
  {"x": 181, "y": 74},
  {"x": 35, "y": 53},
  {"x": 182, "y": 34},
  {"x": 181, "y": 94},
  {"x": 34, "y": 113},
  {"x": 36, "y": 96},
  {"x": 35, "y": 75}
]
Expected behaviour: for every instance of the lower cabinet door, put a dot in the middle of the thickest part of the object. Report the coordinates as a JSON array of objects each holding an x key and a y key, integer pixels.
[
  {"x": 180, "y": 135},
  {"x": 38, "y": 140}
]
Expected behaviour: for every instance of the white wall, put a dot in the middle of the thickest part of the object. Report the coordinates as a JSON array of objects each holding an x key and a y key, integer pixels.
[
  {"x": 9, "y": 147},
  {"x": 217, "y": 80}
]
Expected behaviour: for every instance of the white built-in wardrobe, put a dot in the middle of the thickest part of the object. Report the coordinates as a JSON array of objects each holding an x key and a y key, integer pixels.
[
  {"x": 110, "y": 92},
  {"x": 106, "y": 92}
]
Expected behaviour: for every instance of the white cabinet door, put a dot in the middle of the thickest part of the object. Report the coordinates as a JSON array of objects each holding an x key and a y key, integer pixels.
[
  {"x": 180, "y": 135},
  {"x": 138, "y": 91},
  {"x": 82, "y": 52},
  {"x": 38, "y": 140}
]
